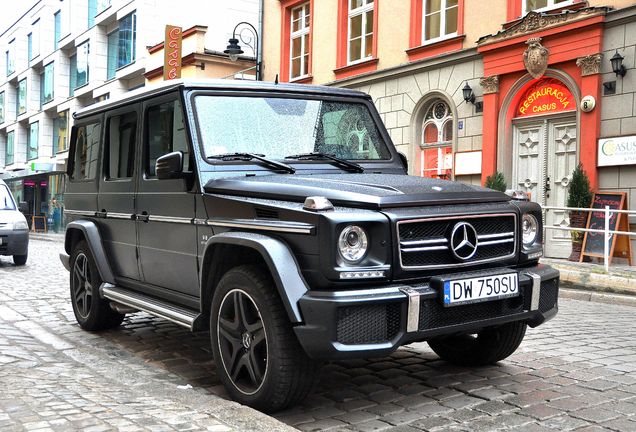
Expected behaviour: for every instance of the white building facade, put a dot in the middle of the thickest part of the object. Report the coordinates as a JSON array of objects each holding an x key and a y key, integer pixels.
[{"x": 63, "y": 55}]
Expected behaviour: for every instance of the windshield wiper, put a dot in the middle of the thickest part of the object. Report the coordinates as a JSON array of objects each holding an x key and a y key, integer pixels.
[
  {"x": 342, "y": 163},
  {"x": 259, "y": 157}
]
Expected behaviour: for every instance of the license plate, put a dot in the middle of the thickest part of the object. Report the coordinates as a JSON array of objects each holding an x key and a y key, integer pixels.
[{"x": 479, "y": 289}]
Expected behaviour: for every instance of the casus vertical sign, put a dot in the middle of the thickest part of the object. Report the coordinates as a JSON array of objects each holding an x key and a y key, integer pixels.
[{"x": 172, "y": 53}]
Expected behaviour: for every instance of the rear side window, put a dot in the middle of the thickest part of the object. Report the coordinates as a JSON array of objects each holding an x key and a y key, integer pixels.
[
  {"x": 86, "y": 151},
  {"x": 120, "y": 148},
  {"x": 166, "y": 133}
]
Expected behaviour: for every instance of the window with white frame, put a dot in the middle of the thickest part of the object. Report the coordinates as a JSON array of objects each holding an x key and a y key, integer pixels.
[
  {"x": 436, "y": 156},
  {"x": 440, "y": 19},
  {"x": 35, "y": 39},
  {"x": 533, "y": 5},
  {"x": 300, "y": 41},
  {"x": 360, "y": 40}
]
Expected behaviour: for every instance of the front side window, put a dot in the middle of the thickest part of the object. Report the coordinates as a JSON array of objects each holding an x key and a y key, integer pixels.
[
  {"x": 6, "y": 200},
  {"x": 436, "y": 155},
  {"x": 32, "y": 150},
  {"x": 300, "y": 41},
  {"x": 440, "y": 19},
  {"x": 22, "y": 97},
  {"x": 165, "y": 133},
  {"x": 60, "y": 132},
  {"x": 8, "y": 160},
  {"x": 530, "y": 5},
  {"x": 120, "y": 146},
  {"x": 283, "y": 127},
  {"x": 360, "y": 41},
  {"x": 1, "y": 107},
  {"x": 46, "y": 84},
  {"x": 127, "y": 40},
  {"x": 86, "y": 151}
]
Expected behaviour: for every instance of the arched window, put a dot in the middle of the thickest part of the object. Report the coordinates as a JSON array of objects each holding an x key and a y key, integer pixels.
[{"x": 436, "y": 155}]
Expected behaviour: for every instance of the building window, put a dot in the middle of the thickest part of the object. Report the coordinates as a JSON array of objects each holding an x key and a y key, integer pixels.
[
  {"x": 86, "y": 152},
  {"x": 440, "y": 19},
  {"x": 60, "y": 132},
  {"x": 533, "y": 5},
  {"x": 46, "y": 84},
  {"x": 10, "y": 58},
  {"x": 57, "y": 32},
  {"x": 113, "y": 49},
  {"x": 8, "y": 160},
  {"x": 22, "y": 97},
  {"x": 300, "y": 41},
  {"x": 127, "y": 40},
  {"x": 1, "y": 107},
  {"x": 360, "y": 40},
  {"x": 34, "y": 40},
  {"x": 436, "y": 155},
  {"x": 95, "y": 7},
  {"x": 79, "y": 67},
  {"x": 32, "y": 150},
  {"x": 30, "y": 46}
]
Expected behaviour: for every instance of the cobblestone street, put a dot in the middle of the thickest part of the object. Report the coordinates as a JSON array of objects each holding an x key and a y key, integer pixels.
[{"x": 577, "y": 372}]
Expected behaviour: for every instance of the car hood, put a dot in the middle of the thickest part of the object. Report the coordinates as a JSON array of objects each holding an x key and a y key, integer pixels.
[
  {"x": 11, "y": 216},
  {"x": 356, "y": 190}
]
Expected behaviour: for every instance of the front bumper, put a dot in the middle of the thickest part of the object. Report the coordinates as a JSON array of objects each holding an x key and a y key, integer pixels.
[
  {"x": 14, "y": 242},
  {"x": 375, "y": 322}
]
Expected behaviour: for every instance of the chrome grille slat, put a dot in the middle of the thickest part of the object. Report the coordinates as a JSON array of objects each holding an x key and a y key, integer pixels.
[{"x": 423, "y": 247}]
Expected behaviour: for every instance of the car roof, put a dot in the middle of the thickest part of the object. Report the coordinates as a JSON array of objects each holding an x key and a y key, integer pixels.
[{"x": 214, "y": 84}]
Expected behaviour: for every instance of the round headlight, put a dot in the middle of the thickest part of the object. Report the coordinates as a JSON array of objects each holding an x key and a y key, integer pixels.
[
  {"x": 352, "y": 244},
  {"x": 530, "y": 229}
]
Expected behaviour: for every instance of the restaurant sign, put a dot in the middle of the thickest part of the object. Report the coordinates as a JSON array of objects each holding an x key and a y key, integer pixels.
[
  {"x": 617, "y": 151},
  {"x": 172, "y": 53},
  {"x": 546, "y": 96}
]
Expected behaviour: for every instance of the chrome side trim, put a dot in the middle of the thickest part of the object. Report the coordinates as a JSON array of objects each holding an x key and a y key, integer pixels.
[
  {"x": 413, "y": 310},
  {"x": 79, "y": 212},
  {"x": 111, "y": 292},
  {"x": 276, "y": 226},
  {"x": 497, "y": 235},
  {"x": 536, "y": 290},
  {"x": 112, "y": 215},
  {"x": 199, "y": 221},
  {"x": 169, "y": 219}
]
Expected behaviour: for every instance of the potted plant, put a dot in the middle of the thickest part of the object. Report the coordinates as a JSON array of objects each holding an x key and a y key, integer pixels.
[
  {"x": 496, "y": 182},
  {"x": 579, "y": 196}
]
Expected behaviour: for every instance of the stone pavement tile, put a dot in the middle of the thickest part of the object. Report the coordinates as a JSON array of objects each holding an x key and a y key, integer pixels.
[
  {"x": 433, "y": 422},
  {"x": 465, "y": 415},
  {"x": 413, "y": 402},
  {"x": 463, "y": 401},
  {"x": 403, "y": 417},
  {"x": 600, "y": 384},
  {"x": 373, "y": 425},
  {"x": 564, "y": 422},
  {"x": 495, "y": 407},
  {"x": 357, "y": 417},
  {"x": 491, "y": 394},
  {"x": 541, "y": 411},
  {"x": 385, "y": 409},
  {"x": 621, "y": 424},
  {"x": 595, "y": 414},
  {"x": 321, "y": 425}
]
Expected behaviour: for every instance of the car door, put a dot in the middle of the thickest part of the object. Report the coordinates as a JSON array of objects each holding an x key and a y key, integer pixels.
[
  {"x": 116, "y": 201},
  {"x": 166, "y": 208}
]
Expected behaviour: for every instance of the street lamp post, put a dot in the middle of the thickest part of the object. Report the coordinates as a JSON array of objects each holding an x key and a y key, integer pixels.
[{"x": 251, "y": 40}]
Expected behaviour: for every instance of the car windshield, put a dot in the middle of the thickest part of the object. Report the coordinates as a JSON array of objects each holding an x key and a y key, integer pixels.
[
  {"x": 6, "y": 200},
  {"x": 279, "y": 127}
]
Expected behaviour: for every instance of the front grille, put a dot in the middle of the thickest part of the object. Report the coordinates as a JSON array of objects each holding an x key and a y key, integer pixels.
[
  {"x": 368, "y": 324},
  {"x": 434, "y": 315},
  {"x": 425, "y": 243}
]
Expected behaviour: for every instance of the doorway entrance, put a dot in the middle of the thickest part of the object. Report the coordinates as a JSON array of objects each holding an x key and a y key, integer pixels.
[{"x": 545, "y": 152}]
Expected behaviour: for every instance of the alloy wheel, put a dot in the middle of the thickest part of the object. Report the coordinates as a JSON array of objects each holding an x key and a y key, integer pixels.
[
  {"x": 81, "y": 284},
  {"x": 242, "y": 341}
]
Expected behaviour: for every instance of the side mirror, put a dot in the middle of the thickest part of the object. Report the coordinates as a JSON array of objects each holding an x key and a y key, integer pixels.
[
  {"x": 405, "y": 162},
  {"x": 169, "y": 166},
  {"x": 23, "y": 206}
]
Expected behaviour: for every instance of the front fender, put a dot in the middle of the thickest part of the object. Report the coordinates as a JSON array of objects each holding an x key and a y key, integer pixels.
[
  {"x": 281, "y": 263},
  {"x": 90, "y": 232}
]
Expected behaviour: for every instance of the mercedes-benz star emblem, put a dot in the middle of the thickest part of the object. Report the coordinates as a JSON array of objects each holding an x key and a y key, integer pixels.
[{"x": 463, "y": 241}]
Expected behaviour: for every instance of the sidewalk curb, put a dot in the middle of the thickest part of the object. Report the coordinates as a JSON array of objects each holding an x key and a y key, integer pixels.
[
  {"x": 47, "y": 237},
  {"x": 591, "y": 296}
]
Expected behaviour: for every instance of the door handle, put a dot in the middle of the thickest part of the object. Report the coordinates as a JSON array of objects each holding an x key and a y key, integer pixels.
[
  {"x": 143, "y": 217},
  {"x": 101, "y": 214}
]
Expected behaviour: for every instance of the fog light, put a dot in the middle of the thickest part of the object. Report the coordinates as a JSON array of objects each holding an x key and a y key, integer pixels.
[{"x": 362, "y": 274}]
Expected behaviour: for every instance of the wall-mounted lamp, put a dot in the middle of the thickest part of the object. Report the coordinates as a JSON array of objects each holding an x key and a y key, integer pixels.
[
  {"x": 469, "y": 96},
  {"x": 617, "y": 64}
]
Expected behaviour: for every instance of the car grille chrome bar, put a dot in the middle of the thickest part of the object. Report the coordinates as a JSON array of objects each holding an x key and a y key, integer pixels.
[{"x": 425, "y": 244}]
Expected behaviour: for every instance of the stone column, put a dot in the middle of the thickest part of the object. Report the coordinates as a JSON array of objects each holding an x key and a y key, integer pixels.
[{"x": 490, "y": 86}]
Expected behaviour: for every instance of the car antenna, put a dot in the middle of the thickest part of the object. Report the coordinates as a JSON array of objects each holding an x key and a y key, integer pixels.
[{"x": 276, "y": 79}]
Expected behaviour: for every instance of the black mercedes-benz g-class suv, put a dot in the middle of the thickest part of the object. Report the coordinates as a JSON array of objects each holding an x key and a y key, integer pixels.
[{"x": 281, "y": 219}]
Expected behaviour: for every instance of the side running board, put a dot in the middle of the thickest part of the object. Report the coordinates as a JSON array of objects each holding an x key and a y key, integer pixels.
[{"x": 182, "y": 316}]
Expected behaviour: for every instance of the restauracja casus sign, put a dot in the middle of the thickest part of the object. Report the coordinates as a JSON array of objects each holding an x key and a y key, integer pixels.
[{"x": 617, "y": 151}]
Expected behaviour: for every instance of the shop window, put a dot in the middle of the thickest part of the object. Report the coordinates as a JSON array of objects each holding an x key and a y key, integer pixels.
[
  {"x": 86, "y": 151},
  {"x": 120, "y": 148},
  {"x": 360, "y": 39},
  {"x": 440, "y": 19},
  {"x": 57, "y": 183},
  {"x": 533, "y": 5},
  {"x": 60, "y": 132},
  {"x": 300, "y": 41},
  {"x": 46, "y": 84},
  {"x": 32, "y": 141},
  {"x": 10, "y": 150},
  {"x": 166, "y": 133},
  {"x": 22, "y": 97},
  {"x": 436, "y": 155}
]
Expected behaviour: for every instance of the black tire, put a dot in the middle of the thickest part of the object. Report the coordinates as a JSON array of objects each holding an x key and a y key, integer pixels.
[
  {"x": 258, "y": 357},
  {"x": 91, "y": 311},
  {"x": 486, "y": 347},
  {"x": 20, "y": 260}
]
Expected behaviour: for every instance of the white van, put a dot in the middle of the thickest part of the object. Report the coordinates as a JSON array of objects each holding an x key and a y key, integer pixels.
[{"x": 14, "y": 230}]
